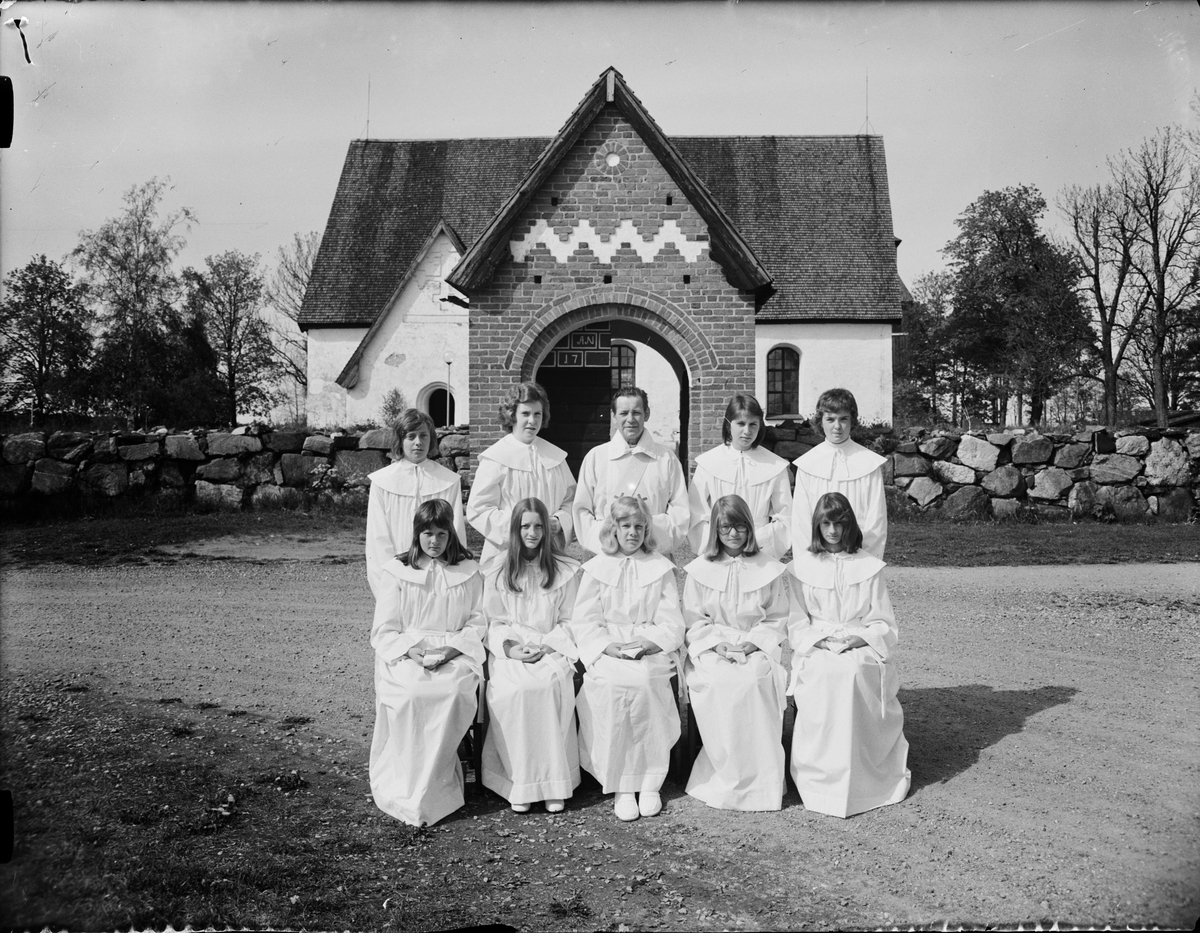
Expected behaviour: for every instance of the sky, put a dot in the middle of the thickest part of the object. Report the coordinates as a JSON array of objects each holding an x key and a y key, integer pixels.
[{"x": 249, "y": 107}]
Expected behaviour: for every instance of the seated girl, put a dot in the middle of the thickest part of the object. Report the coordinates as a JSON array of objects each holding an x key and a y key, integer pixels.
[
  {"x": 531, "y": 752},
  {"x": 849, "y": 753},
  {"x": 735, "y": 605},
  {"x": 627, "y": 625},
  {"x": 428, "y": 641}
]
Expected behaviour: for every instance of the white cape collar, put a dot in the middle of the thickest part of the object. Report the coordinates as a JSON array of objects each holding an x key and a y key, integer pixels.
[
  {"x": 760, "y": 464},
  {"x": 825, "y": 461},
  {"x": 820, "y": 570},
  {"x": 756, "y": 572},
  {"x": 401, "y": 477},
  {"x": 513, "y": 454},
  {"x": 618, "y": 446},
  {"x": 647, "y": 567},
  {"x": 455, "y": 575}
]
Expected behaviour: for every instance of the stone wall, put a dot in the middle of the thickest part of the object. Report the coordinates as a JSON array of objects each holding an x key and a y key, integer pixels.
[
  {"x": 1126, "y": 475},
  {"x": 252, "y": 467}
]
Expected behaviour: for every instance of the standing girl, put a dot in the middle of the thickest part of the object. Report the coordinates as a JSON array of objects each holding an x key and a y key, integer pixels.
[
  {"x": 520, "y": 466},
  {"x": 627, "y": 625},
  {"x": 428, "y": 641},
  {"x": 398, "y": 489},
  {"x": 841, "y": 465},
  {"x": 735, "y": 605},
  {"x": 849, "y": 753},
  {"x": 741, "y": 467},
  {"x": 531, "y": 752}
]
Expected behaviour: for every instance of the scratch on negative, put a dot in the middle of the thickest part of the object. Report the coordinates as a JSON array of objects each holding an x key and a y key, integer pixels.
[{"x": 1048, "y": 35}]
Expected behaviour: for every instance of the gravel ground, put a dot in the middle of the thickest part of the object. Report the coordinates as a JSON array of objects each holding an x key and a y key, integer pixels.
[{"x": 1051, "y": 711}]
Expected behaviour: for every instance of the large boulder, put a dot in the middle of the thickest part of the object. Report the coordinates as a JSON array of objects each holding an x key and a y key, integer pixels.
[
  {"x": 145, "y": 451},
  {"x": 296, "y": 469},
  {"x": 24, "y": 448},
  {"x": 71, "y": 446},
  {"x": 1000, "y": 439},
  {"x": 1128, "y": 504},
  {"x": 939, "y": 448},
  {"x": 222, "y": 470},
  {"x": 1132, "y": 445},
  {"x": 183, "y": 447},
  {"x": 52, "y": 477},
  {"x": 954, "y": 473},
  {"x": 1193, "y": 445},
  {"x": 1112, "y": 469},
  {"x": 377, "y": 439},
  {"x": 318, "y": 444},
  {"x": 1004, "y": 482},
  {"x": 353, "y": 466},
  {"x": 459, "y": 445},
  {"x": 14, "y": 478},
  {"x": 1033, "y": 448},
  {"x": 1050, "y": 484},
  {"x": 285, "y": 442},
  {"x": 1083, "y": 499},
  {"x": 1167, "y": 464},
  {"x": 1008, "y": 509},
  {"x": 106, "y": 479},
  {"x": 104, "y": 450},
  {"x": 978, "y": 454},
  {"x": 218, "y": 496},
  {"x": 1175, "y": 505},
  {"x": 968, "y": 502},
  {"x": 259, "y": 469},
  {"x": 924, "y": 491},
  {"x": 909, "y": 465},
  {"x": 344, "y": 442},
  {"x": 230, "y": 445},
  {"x": 1072, "y": 456}
]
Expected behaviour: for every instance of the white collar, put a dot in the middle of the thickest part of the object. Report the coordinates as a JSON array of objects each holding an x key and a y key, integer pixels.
[
  {"x": 826, "y": 459},
  {"x": 401, "y": 477},
  {"x": 820, "y": 570},
  {"x": 758, "y": 463},
  {"x": 648, "y": 567},
  {"x": 755, "y": 572},
  {"x": 455, "y": 575},
  {"x": 618, "y": 447},
  {"x": 513, "y": 454}
]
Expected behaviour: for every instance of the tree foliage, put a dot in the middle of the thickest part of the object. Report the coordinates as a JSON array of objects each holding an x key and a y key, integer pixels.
[{"x": 45, "y": 339}]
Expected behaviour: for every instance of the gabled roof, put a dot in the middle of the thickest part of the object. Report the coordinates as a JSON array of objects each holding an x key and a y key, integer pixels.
[
  {"x": 729, "y": 247},
  {"x": 348, "y": 377}
]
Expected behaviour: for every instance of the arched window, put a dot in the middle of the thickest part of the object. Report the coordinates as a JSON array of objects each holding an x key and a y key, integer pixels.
[
  {"x": 622, "y": 359},
  {"x": 441, "y": 407},
  {"x": 783, "y": 382}
]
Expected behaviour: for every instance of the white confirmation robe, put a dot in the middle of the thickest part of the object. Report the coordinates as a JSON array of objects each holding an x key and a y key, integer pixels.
[
  {"x": 531, "y": 752},
  {"x": 849, "y": 753},
  {"x": 396, "y": 492},
  {"x": 421, "y": 714},
  {"x": 508, "y": 472},
  {"x": 760, "y": 478},
  {"x": 738, "y": 706},
  {"x": 628, "y": 720},
  {"x": 647, "y": 470},
  {"x": 855, "y": 472}
]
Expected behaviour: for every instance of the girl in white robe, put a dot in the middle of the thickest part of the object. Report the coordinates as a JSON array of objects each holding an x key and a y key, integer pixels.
[
  {"x": 741, "y": 467},
  {"x": 520, "y": 466},
  {"x": 841, "y": 465},
  {"x": 627, "y": 626},
  {"x": 428, "y": 641},
  {"x": 531, "y": 752},
  {"x": 399, "y": 488},
  {"x": 736, "y": 606},
  {"x": 849, "y": 753}
]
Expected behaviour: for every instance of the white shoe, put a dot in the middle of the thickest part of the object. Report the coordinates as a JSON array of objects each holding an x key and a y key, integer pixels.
[
  {"x": 555, "y": 806},
  {"x": 649, "y": 803},
  {"x": 625, "y": 806},
  {"x": 521, "y": 807}
]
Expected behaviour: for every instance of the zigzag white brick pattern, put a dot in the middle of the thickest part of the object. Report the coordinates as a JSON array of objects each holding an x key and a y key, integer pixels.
[{"x": 605, "y": 248}]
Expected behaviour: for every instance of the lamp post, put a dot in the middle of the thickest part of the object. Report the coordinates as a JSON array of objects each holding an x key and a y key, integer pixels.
[{"x": 449, "y": 358}]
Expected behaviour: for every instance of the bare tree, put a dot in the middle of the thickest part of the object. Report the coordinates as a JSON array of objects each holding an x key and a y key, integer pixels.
[
  {"x": 285, "y": 295},
  {"x": 1160, "y": 183},
  {"x": 1104, "y": 232}
]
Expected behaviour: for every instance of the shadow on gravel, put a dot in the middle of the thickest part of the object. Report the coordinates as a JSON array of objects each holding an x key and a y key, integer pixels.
[{"x": 947, "y": 727}]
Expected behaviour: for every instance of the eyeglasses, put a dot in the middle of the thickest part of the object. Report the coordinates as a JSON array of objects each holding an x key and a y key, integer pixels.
[{"x": 732, "y": 529}]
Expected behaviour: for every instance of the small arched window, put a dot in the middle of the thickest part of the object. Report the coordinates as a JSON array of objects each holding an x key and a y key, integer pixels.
[
  {"x": 441, "y": 407},
  {"x": 783, "y": 382},
  {"x": 622, "y": 360}
]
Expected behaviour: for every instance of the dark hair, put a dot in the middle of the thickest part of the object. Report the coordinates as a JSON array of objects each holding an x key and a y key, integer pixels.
[
  {"x": 835, "y": 401},
  {"x": 834, "y": 507},
  {"x": 729, "y": 510},
  {"x": 548, "y": 551},
  {"x": 411, "y": 419},
  {"x": 743, "y": 404},
  {"x": 526, "y": 392},
  {"x": 436, "y": 513},
  {"x": 622, "y": 508},
  {"x": 631, "y": 392}
]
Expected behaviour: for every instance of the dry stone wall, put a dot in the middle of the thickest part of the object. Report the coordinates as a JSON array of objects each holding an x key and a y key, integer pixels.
[{"x": 252, "y": 467}]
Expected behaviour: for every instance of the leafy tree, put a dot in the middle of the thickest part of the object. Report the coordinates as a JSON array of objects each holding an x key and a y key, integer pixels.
[
  {"x": 924, "y": 362},
  {"x": 44, "y": 320},
  {"x": 285, "y": 296},
  {"x": 227, "y": 298},
  {"x": 1016, "y": 327},
  {"x": 129, "y": 263}
]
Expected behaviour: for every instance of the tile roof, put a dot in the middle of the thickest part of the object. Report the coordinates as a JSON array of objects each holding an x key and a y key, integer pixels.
[{"x": 814, "y": 209}]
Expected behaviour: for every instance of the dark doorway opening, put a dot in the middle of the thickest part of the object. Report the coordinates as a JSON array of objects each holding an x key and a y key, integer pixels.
[{"x": 442, "y": 415}]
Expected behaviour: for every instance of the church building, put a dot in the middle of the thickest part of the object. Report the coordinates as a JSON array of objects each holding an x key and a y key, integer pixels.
[{"x": 693, "y": 266}]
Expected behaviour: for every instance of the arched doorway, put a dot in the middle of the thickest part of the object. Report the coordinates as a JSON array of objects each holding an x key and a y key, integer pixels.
[
  {"x": 440, "y": 406},
  {"x": 583, "y": 368}
]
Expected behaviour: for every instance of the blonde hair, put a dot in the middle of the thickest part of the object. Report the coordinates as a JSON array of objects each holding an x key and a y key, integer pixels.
[
  {"x": 729, "y": 510},
  {"x": 623, "y": 508}
]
